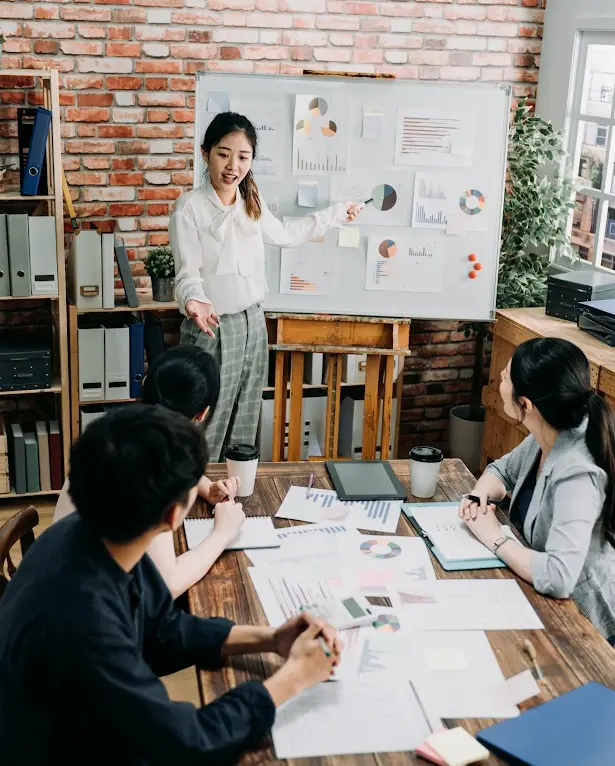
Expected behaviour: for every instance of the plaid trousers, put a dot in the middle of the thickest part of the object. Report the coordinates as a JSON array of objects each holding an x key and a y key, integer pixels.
[{"x": 240, "y": 348}]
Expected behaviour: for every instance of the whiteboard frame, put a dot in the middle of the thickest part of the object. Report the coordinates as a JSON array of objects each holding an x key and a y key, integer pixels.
[{"x": 203, "y": 77}]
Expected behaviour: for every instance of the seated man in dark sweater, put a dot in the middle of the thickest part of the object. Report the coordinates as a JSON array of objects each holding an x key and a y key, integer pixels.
[{"x": 87, "y": 625}]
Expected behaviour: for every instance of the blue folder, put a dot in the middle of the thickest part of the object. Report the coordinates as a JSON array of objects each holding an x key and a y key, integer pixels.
[
  {"x": 137, "y": 357},
  {"x": 36, "y": 152},
  {"x": 575, "y": 729},
  {"x": 449, "y": 566}
]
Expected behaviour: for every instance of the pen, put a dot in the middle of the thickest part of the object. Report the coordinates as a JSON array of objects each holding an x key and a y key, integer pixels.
[
  {"x": 529, "y": 648},
  {"x": 476, "y": 499},
  {"x": 309, "y": 486},
  {"x": 321, "y": 640},
  {"x": 367, "y": 201}
]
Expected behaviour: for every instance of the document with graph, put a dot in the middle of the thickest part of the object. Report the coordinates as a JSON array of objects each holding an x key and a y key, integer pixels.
[{"x": 323, "y": 505}]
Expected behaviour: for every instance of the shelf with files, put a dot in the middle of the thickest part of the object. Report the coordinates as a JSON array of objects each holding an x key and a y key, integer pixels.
[
  {"x": 13, "y": 495},
  {"x": 146, "y": 304},
  {"x": 44, "y": 86}
]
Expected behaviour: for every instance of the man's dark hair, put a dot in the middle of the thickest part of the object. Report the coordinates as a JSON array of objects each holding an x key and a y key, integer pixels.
[
  {"x": 185, "y": 379},
  {"x": 131, "y": 465}
]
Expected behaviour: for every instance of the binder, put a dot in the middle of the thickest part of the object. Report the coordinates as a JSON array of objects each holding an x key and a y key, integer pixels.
[
  {"x": 43, "y": 255},
  {"x": 313, "y": 369},
  {"x": 32, "y": 469},
  {"x": 5, "y": 276},
  {"x": 117, "y": 363},
  {"x": 36, "y": 152},
  {"x": 91, "y": 342},
  {"x": 449, "y": 566},
  {"x": 44, "y": 469},
  {"x": 25, "y": 123},
  {"x": 124, "y": 269},
  {"x": 108, "y": 271},
  {"x": 19, "y": 254},
  {"x": 89, "y": 416},
  {"x": 55, "y": 455},
  {"x": 574, "y": 729},
  {"x": 137, "y": 357},
  {"x": 85, "y": 270},
  {"x": 17, "y": 459},
  {"x": 154, "y": 337}
]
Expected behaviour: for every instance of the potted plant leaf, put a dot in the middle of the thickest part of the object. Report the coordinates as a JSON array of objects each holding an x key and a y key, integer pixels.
[
  {"x": 160, "y": 266},
  {"x": 537, "y": 204}
]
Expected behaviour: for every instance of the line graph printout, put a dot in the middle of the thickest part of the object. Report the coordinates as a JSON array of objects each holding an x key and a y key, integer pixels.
[
  {"x": 426, "y": 137},
  {"x": 323, "y": 505},
  {"x": 412, "y": 263}
]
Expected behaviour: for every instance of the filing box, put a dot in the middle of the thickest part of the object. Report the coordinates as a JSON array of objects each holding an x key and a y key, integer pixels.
[
  {"x": 24, "y": 364},
  {"x": 566, "y": 291}
]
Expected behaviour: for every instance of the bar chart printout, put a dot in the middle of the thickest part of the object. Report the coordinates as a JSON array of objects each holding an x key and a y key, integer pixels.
[
  {"x": 430, "y": 205},
  {"x": 411, "y": 263},
  {"x": 323, "y": 505},
  {"x": 320, "y": 136},
  {"x": 427, "y": 138}
]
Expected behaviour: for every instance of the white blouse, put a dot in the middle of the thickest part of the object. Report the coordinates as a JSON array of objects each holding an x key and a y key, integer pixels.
[{"x": 219, "y": 251}]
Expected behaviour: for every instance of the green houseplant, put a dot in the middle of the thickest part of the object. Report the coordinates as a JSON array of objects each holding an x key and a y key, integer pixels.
[
  {"x": 160, "y": 266},
  {"x": 537, "y": 206}
]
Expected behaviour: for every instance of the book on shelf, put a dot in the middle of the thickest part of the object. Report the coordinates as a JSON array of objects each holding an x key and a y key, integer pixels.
[{"x": 34, "y": 457}]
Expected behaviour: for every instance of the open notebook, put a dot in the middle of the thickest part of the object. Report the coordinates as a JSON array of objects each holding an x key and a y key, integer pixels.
[{"x": 256, "y": 532}]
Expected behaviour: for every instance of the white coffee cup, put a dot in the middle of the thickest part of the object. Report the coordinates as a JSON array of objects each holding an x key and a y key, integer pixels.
[
  {"x": 424, "y": 470},
  {"x": 242, "y": 461}
]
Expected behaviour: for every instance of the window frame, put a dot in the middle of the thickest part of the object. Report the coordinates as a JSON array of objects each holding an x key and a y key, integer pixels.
[{"x": 574, "y": 141}]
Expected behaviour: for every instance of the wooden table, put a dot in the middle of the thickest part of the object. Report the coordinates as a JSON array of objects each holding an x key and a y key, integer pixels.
[{"x": 570, "y": 651}]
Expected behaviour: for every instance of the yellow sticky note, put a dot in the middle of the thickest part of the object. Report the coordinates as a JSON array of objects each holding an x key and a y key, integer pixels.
[
  {"x": 457, "y": 747},
  {"x": 349, "y": 236}
]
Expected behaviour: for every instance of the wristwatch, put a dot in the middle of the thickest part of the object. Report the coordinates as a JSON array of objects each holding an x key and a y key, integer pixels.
[{"x": 500, "y": 541}]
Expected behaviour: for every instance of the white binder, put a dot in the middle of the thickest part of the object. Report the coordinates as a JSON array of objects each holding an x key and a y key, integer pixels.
[
  {"x": 19, "y": 254},
  {"x": 42, "y": 437},
  {"x": 117, "y": 363},
  {"x": 91, "y": 364},
  {"x": 89, "y": 416},
  {"x": 108, "y": 266},
  {"x": 85, "y": 270},
  {"x": 43, "y": 255},
  {"x": 5, "y": 275}
]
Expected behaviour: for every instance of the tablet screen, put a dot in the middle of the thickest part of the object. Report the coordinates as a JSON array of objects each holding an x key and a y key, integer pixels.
[{"x": 365, "y": 479}]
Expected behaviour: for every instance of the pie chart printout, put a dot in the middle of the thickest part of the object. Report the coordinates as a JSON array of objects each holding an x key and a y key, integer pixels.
[
  {"x": 318, "y": 107},
  {"x": 472, "y": 202},
  {"x": 387, "y": 623},
  {"x": 304, "y": 126},
  {"x": 384, "y": 197},
  {"x": 329, "y": 130},
  {"x": 387, "y": 248}
]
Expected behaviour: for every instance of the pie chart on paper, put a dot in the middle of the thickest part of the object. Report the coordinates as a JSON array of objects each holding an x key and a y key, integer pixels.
[
  {"x": 387, "y": 248},
  {"x": 384, "y": 197},
  {"x": 330, "y": 129},
  {"x": 304, "y": 126},
  {"x": 387, "y": 623},
  {"x": 318, "y": 107}
]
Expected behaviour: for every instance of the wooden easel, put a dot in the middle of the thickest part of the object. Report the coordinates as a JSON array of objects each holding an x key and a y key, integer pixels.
[{"x": 291, "y": 336}]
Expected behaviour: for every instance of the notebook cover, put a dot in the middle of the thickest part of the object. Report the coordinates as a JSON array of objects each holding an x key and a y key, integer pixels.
[
  {"x": 575, "y": 729},
  {"x": 449, "y": 566},
  {"x": 256, "y": 532}
]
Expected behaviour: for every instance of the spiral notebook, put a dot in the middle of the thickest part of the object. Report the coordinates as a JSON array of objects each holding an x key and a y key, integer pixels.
[{"x": 256, "y": 532}]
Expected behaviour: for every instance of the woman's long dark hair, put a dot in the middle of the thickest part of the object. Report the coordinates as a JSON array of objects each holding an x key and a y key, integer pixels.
[
  {"x": 222, "y": 125},
  {"x": 554, "y": 375}
]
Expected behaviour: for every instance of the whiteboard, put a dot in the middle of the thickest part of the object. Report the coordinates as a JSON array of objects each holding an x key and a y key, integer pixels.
[{"x": 440, "y": 147}]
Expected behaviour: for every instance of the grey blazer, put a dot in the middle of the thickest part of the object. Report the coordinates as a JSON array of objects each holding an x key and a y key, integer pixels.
[{"x": 571, "y": 556}]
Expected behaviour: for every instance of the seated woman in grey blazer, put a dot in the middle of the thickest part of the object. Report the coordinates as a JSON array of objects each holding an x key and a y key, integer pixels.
[{"x": 562, "y": 480}]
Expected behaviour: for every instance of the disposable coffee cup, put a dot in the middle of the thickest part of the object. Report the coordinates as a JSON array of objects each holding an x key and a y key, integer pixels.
[
  {"x": 242, "y": 461},
  {"x": 424, "y": 470}
]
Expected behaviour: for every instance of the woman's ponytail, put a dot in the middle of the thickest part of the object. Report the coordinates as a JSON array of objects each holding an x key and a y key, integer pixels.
[
  {"x": 600, "y": 438},
  {"x": 251, "y": 197}
]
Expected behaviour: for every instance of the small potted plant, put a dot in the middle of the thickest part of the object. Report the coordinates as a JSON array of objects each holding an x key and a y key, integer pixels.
[
  {"x": 2, "y": 41},
  {"x": 160, "y": 266}
]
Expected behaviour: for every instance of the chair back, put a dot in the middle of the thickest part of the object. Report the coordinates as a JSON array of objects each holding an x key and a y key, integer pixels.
[{"x": 19, "y": 528}]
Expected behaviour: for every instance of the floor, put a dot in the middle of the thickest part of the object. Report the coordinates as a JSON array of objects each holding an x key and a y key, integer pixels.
[{"x": 180, "y": 686}]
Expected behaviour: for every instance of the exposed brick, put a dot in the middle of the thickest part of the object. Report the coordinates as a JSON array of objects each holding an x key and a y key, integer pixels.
[
  {"x": 131, "y": 50},
  {"x": 109, "y": 194},
  {"x": 129, "y": 15},
  {"x": 231, "y": 52},
  {"x": 129, "y": 115},
  {"x": 44, "y": 46},
  {"x": 158, "y": 208},
  {"x": 160, "y": 131},
  {"x": 95, "y": 99},
  {"x": 158, "y": 67},
  {"x": 123, "y": 163},
  {"x": 72, "y": 13},
  {"x": 154, "y": 224},
  {"x": 96, "y": 163},
  {"x": 126, "y": 209},
  {"x": 89, "y": 147},
  {"x": 126, "y": 179},
  {"x": 168, "y": 192},
  {"x": 161, "y": 99},
  {"x": 47, "y": 13},
  {"x": 133, "y": 147},
  {"x": 158, "y": 115},
  {"x": 46, "y": 30},
  {"x": 124, "y": 83},
  {"x": 116, "y": 131},
  {"x": 86, "y": 179},
  {"x": 161, "y": 163},
  {"x": 182, "y": 115},
  {"x": 86, "y": 115},
  {"x": 91, "y": 31},
  {"x": 106, "y": 65},
  {"x": 120, "y": 33}
]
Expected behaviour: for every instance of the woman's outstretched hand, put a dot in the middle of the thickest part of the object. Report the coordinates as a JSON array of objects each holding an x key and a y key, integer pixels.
[
  {"x": 352, "y": 211},
  {"x": 203, "y": 316}
]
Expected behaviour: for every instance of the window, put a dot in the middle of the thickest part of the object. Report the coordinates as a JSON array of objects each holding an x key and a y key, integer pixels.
[{"x": 591, "y": 131}]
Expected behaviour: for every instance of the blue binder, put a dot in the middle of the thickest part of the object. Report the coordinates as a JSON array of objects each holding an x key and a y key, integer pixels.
[
  {"x": 575, "y": 729},
  {"x": 137, "y": 357},
  {"x": 36, "y": 152},
  {"x": 446, "y": 564}
]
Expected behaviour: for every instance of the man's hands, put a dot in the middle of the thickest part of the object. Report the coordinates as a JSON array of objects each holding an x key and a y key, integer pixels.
[{"x": 228, "y": 520}]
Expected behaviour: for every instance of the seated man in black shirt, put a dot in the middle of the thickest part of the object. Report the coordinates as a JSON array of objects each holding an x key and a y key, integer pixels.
[{"x": 87, "y": 625}]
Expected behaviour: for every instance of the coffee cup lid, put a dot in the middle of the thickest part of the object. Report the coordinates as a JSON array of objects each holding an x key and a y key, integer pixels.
[
  {"x": 242, "y": 452},
  {"x": 426, "y": 454}
]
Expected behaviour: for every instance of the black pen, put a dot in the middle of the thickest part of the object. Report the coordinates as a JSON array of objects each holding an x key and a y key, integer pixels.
[
  {"x": 367, "y": 201},
  {"x": 477, "y": 500}
]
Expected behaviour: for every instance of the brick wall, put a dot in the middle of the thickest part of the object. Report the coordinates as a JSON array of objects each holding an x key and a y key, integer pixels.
[{"x": 128, "y": 80}]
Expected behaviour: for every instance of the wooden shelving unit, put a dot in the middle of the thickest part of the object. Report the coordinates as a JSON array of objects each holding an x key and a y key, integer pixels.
[{"x": 48, "y": 82}]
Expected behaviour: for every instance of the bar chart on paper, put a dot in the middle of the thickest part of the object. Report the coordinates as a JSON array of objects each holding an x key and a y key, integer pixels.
[
  {"x": 429, "y": 210},
  {"x": 324, "y": 505},
  {"x": 430, "y": 138}
]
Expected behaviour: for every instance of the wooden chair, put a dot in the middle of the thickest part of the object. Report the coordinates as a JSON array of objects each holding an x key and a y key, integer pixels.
[{"x": 18, "y": 528}]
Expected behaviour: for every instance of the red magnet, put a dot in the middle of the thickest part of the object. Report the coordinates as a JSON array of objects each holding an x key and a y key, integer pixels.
[
  {"x": 478, "y": 266},
  {"x": 472, "y": 257},
  {"x": 473, "y": 274}
]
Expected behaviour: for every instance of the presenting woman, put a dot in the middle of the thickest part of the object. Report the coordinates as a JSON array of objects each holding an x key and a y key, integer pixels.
[
  {"x": 562, "y": 479},
  {"x": 218, "y": 234}
]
